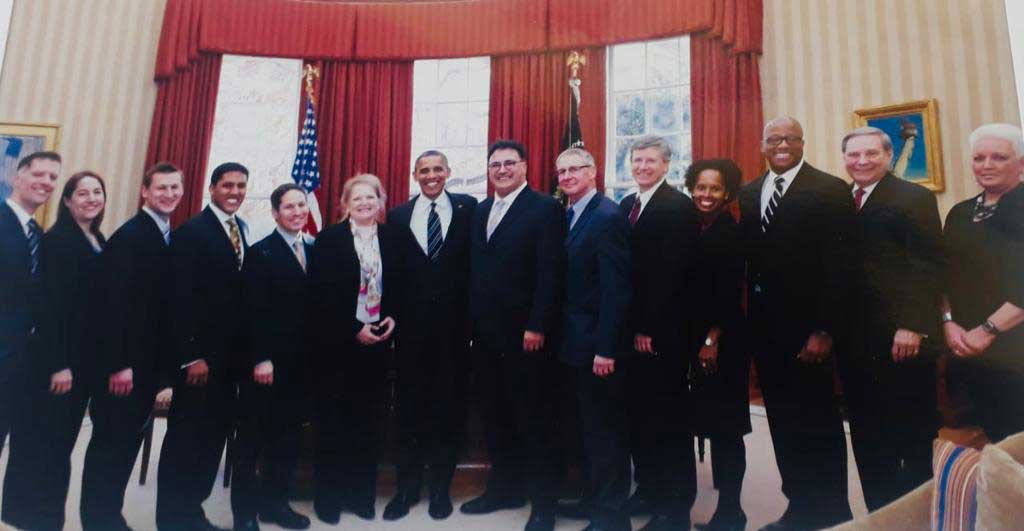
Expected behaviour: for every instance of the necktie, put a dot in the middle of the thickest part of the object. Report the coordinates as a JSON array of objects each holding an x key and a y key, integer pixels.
[
  {"x": 634, "y": 213},
  {"x": 299, "y": 255},
  {"x": 569, "y": 214},
  {"x": 236, "y": 239},
  {"x": 773, "y": 205},
  {"x": 34, "y": 237},
  {"x": 858, "y": 197},
  {"x": 492, "y": 221},
  {"x": 167, "y": 235},
  {"x": 434, "y": 238}
]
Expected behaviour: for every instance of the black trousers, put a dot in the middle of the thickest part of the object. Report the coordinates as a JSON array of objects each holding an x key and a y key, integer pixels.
[
  {"x": 519, "y": 407},
  {"x": 348, "y": 425},
  {"x": 431, "y": 409},
  {"x": 198, "y": 425},
  {"x": 269, "y": 426},
  {"x": 661, "y": 438},
  {"x": 39, "y": 466},
  {"x": 993, "y": 391},
  {"x": 117, "y": 430},
  {"x": 8, "y": 395},
  {"x": 893, "y": 420},
  {"x": 600, "y": 402},
  {"x": 728, "y": 465}
]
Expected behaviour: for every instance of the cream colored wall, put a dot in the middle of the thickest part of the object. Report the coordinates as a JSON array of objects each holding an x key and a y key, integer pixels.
[
  {"x": 87, "y": 65},
  {"x": 825, "y": 58}
]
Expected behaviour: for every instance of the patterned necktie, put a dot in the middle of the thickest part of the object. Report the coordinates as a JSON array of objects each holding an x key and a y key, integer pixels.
[
  {"x": 492, "y": 221},
  {"x": 299, "y": 255},
  {"x": 434, "y": 238},
  {"x": 569, "y": 214},
  {"x": 634, "y": 213},
  {"x": 858, "y": 197},
  {"x": 236, "y": 239},
  {"x": 773, "y": 204},
  {"x": 34, "y": 237}
]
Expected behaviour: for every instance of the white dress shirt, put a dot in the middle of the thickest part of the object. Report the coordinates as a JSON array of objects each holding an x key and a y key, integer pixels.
[
  {"x": 867, "y": 192},
  {"x": 495, "y": 216},
  {"x": 162, "y": 222},
  {"x": 579, "y": 206},
  {"x": 23, "y": 217},
  {"x": 420, "y": 212},
  {"x": 243, "y": 227},
  {"x": 768, "y": 187},
  {"x": 645, "y": 197},
  {"x": 289, "y": 240}
]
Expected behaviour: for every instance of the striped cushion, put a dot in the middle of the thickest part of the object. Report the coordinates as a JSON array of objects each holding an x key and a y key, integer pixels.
[{"x": 954, "y": 499}]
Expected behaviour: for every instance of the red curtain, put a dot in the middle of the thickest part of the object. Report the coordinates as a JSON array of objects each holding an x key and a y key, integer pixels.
[
  {"x": 364, "y": 115},
  {"x": 182, "y": 127},
  {"x": 530, "y": 103}
]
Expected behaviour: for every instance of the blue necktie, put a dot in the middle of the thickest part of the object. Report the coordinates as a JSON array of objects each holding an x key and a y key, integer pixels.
[
  {"x": 34, "y": 237},
  {"x": 569, "y": 214},
  {"x": 434, "y": 239}
]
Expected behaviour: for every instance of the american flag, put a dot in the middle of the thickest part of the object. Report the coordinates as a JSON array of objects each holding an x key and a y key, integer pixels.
[{"x": 306, "y": 169}]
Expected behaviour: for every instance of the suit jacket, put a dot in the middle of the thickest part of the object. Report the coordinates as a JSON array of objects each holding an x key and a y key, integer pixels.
[
  {"x": 516, "y": 276},
  {"x": 597, "y": 286},
  {"x": 136, "y": 267},
  {"x": 663, "y": 242},
  {"x": 15, "y": 285},
  {"x": 210, "y": 294},
  {"x": 801, "y": 271},
  {"x": 900, "y": 264},
  {"x": 277, "y": 290}
]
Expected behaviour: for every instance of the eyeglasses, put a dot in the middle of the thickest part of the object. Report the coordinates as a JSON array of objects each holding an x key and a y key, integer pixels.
[
  {"x": 507, "y": 164},
  {"x": 777, "y": 140},
  {"x": 571, "y": 170}
]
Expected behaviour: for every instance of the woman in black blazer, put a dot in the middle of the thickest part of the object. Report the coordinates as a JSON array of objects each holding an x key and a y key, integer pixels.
[
  {"x": 355, "y": 285},
  {"x": 720, "y": 368},
  {"x": 66, "y": 346}
]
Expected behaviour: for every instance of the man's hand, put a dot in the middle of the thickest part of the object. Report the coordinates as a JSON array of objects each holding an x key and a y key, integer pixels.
[
  {"x": 709, "y": 357},
  {"x": 532, "y": 341},
  {"x": 120, "y": 383},
  {"x": 642, "y": 343},
  {"x": 978, "y": 341},
  {"x": 365, "y": 336},
  {"x": 163, "y": 398},
  {"x": 817, "y": 349},
  {"x": 906, "y": 344},
  {"x": 263, "y": 373},
  {"x": 197, "y": 373},
  {"x": 60, "y": 382},
  {"x": 603, "y": 366},
  {"x": 389, "y": 328}
]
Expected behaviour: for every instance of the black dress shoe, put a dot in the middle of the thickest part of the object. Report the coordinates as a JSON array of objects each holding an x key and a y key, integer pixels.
[
  {"x": 638, "y": 505},
  {"x": 603, "y": 527},
  {"x": 285, "y": 517},
  {"x": 489, "y": 503},
  {"x": 246, "y": 525},
  {"x": 663, "y": 522},
  {"x": 327, "y": 516},
  {"x": 440, "y": 506},
  {"x": 541, "y": 521},
  {"x": 366, "y": 511},
  {"x": 399, "y": 506},
  {"x": 724, "y": 523},
  {"x": 202, "y": 524},
  {"x": 573, "y": 510}
]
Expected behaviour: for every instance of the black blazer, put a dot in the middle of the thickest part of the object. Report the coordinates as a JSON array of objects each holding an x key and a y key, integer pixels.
[
  {"x": 70, "y": 272},
  {"x": 899, "y": 264},
  {"x": 597, "y": 288},
  {"x": 434, "y": 291},
  {"x": 801, "y": 271},
  {"x": 716, "y": 289},
  {"x": 15, "y": 285},
  {"x": 209, "y": 294},
  {"x": 663, "y": 243},
  {"x": 137, "y": 268},
  {"x": 516, "y": 277},
  {"x": 277, "y": 289}
]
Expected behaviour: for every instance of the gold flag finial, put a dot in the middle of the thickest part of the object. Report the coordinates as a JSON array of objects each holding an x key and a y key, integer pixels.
[
  {"x": 309, "y": 73},
  {"x": 574, "y": 61}
]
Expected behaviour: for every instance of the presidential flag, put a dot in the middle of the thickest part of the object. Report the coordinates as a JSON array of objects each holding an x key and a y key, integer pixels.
[{"x": 306, "y": 169}]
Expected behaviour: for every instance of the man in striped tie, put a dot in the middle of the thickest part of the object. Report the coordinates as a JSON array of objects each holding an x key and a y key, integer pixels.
[
  {"x": 797, "y": 223},
  {"x": 433, "y": 229}
]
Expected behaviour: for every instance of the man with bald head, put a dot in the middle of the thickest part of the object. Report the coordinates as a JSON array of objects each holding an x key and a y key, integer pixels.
[{"x": 797, "y": 222}]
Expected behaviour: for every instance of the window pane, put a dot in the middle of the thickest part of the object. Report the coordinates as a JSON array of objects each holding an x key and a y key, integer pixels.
[
  {"x": 424, "y": 81},
  {"x": 629, "y": 114},
  {"x": 451, "y": 119},
  {"x": 453, "y": 80},
  {"x": 424, "y": 120},
  {"x": 663, "y": 63},
  {"x": 663, "y": 105},
  {"x": 628, "y": 67},
  {"x": 479, "y": 78},
  {"x": 623, "y": 173}
]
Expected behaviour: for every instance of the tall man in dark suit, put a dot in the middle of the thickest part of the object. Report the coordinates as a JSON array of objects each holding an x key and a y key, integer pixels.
[
  {"x": 663, "y": 240},
  {"x": 797, "y": 225},
  {"x": 208, "y": 251},
  {"x": 597, "y": 295},
  {"x": 137, "y": 352},
  {"x": 889, "y": 371},
  {"x": 516, "y": 272},
  {"x": 433, "y": 229},
  {"x": 274, "y": 389}
]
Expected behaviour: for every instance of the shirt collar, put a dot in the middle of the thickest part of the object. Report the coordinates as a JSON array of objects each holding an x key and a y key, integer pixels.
[
  {"x": 289, "y": 238},
  {"x": 221, "y": 215},
  {"x": 511, "y": 197},
  {"x": 19, "y": 211},
  {"x": 580, "y": 205},
  {"x": 646, "y": 196},
  {"x": 787, "y": 175},
  {"x": 867, "y": 189},
  {"x": 162, "y": 222},
  {"x": 442, "y": 202}
]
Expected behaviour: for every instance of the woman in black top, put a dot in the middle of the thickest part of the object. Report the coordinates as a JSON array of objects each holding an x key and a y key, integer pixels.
[
  {"x": 719, "y": 374},
  {"x": 984, "y": 286},
  {"x": 67, "y": 344}
]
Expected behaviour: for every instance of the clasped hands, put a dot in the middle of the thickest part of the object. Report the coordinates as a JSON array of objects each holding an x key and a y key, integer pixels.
[
  {"x": 965, "y": 343},
  {"x": 368, "y": 336}
]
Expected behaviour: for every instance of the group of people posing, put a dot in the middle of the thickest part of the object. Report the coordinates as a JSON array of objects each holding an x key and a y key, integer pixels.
[{"x": 645, "y": 315}]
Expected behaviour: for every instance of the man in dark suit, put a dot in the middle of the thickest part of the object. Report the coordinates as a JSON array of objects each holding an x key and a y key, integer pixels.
[
  {"x": 797, "y": 225},
  {"x": 516, "y": 270},
  {"x": 208, "y": 251},
  {"x": 663, "y": 240},
  {"x": 274, "y": 399},
  {"x": 889, "y": 371},
  {"x": 136, "y": 353},
  {"x": 597, "y": 294},
  {"x": 433, "y": 232}
]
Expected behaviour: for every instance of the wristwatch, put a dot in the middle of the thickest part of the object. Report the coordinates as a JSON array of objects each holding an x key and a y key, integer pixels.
[
  {"x": 708, "y": 342},
  {"x": 989, "y": 327},
  {"x": 947, "y": 317}
]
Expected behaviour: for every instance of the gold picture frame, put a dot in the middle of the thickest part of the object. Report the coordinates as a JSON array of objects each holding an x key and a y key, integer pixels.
[
  {"x": 906, "y": 123},
  {"x": 18, "y": 140}
]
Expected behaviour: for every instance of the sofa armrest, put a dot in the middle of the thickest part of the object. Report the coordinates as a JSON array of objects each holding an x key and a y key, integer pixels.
[{"x": 910, "y": 512}]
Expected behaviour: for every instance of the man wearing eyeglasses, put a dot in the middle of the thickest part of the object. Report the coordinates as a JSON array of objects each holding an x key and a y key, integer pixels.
[
  {"x": 797, "y": 223},
  {"x": 516, "y": 272}
]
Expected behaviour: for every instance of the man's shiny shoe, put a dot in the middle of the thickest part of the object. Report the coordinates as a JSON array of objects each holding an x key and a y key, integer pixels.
[
  {"x": 366, "y": 511},
  {"x": 489, "y": 503},
  {"x": 327, "y": 516},
  {"x": 440, "y": 506},
  {"x": 246, "y": 525},
  {"x": 399, "y": 506},
  {"x": 285, "y": 518},
  {"x": 541, "y": 521}
]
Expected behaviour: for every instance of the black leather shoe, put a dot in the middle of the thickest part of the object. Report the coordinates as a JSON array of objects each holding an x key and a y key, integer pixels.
[
  {"x": 602, "y": 527},
  {"x": 285, "y": 517},
  {"x": 399, "y": 506},
  {"x": 540, "y": 521},
  {"x": 489, "y": 503},
  {"x": 440, "y": 506},
  {"x": 724, "y": 523},
  {"x": 638, "y": 505},
  {"x": 202, "y": 524},
  {"x": 366, "y": 511},
  {"x": 246, "y": 525},
  {"x": 573, "y": 510},
  {"x": 327, "y": 516},
  {"x": 663, "y": 522}
]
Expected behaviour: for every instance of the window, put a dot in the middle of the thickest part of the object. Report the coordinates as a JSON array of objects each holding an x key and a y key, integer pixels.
[
  {"x": 450, "y": 113},
  {"x": 649, "y": 94},
  {"x": 256, "y": 123}
]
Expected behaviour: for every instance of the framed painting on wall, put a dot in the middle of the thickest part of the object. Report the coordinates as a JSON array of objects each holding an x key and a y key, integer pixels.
[
  {"x": 18, "y": 140},
  {"x": 917, "y": 145}
]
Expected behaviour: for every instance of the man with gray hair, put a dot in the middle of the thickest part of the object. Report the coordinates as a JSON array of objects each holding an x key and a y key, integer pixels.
[{"x": 888, "y": 372}]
